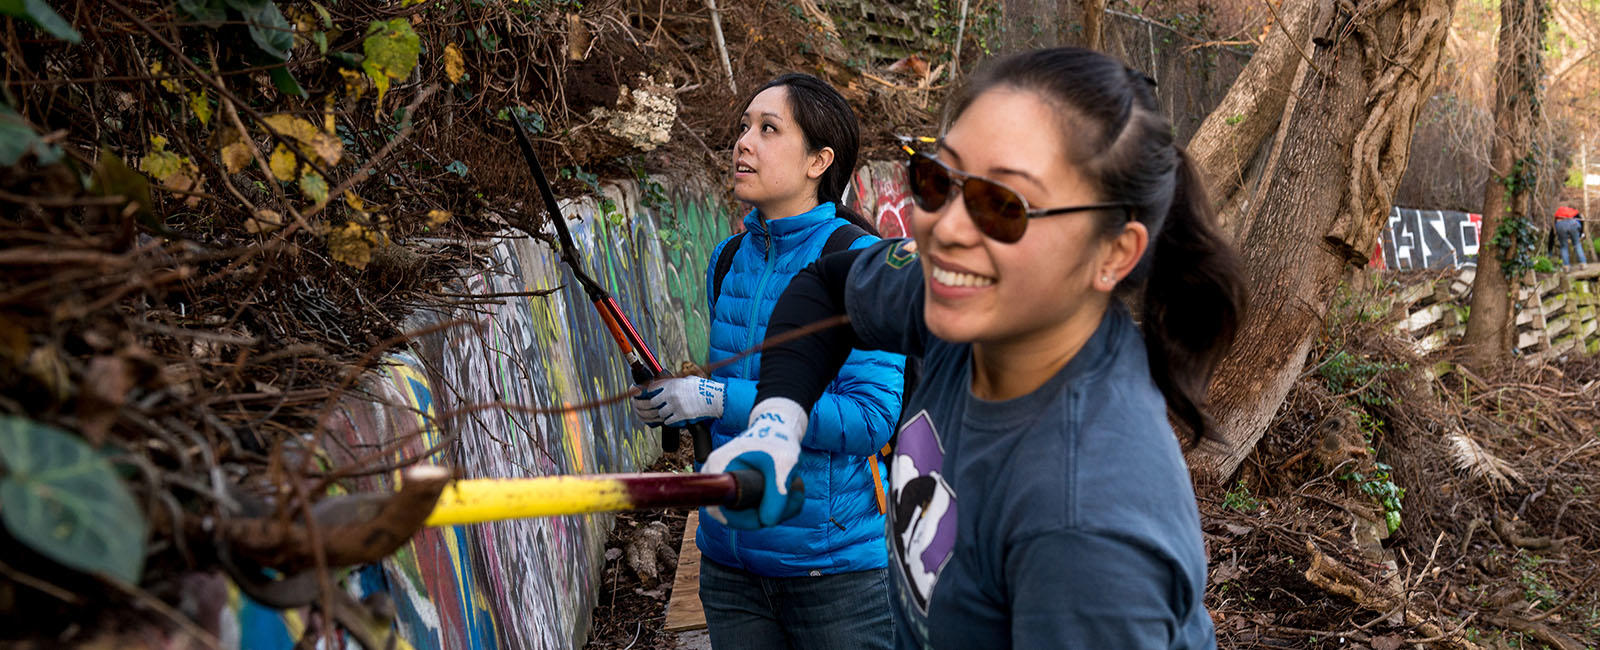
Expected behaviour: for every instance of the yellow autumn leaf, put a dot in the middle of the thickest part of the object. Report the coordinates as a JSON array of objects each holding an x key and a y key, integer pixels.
[
  {"x": 354, "y": 201},
  {"x": 161, "y": 165},
  {"x": 454, "y": 66},
  {"x": 391, "y": 49},
  {"x": 437, "y": 218},
  {"x": 355, "y": 83},
  {"x": 236, "y": 157},
  {"x": 170, "y": 85},
  {"x": 312, "y": 140},
  {"x": 283, "y": 163},
  {"x": 292, "y": 126},
  {"x": 352, "y": 244},
  {"x": 201, "y": 105},
  {"x": 328, "y": 123}
]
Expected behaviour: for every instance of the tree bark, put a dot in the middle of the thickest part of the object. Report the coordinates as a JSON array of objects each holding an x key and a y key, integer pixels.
[
  {"x": 1094, "y": 15},
  {"x": 1491, "y": 330},
  {"x": 1250, "y": 113},
  {"x": 1340, "y": 151}
]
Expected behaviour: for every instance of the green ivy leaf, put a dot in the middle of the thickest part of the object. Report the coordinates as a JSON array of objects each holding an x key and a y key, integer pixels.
[
  {"x": 204, "y": 10},
  {"x": 391, "y": 50},
  {"x": 268, "y": 28},
  {"x": 285, "y": 82},
  {"x": 323, "y": 15},
  {"x": 18, "y": 139},
  {"x": 39, "y": 13},
  {"x": 65, "y": 501}
]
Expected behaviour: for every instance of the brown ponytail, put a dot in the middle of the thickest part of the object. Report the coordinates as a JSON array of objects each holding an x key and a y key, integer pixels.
[{"x": 1194, "y": 298}]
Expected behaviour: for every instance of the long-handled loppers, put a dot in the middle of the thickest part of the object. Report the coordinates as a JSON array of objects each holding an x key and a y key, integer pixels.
[
  {"x": 364, "y": 528},
  {"x": 642, "y": 362}
]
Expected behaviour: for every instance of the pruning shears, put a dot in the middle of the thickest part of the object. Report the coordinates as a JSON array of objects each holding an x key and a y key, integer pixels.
[{"x": 642, "y": 362}]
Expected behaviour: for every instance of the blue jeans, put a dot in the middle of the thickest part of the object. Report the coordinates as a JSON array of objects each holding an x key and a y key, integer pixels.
[
  {"x": 1567, "y": 233},
  {"x": 848, "y": 611}
]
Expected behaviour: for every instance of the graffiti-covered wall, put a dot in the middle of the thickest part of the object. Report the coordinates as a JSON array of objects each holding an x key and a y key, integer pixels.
[
  {"x": 878, "y": 192},
  {"x": 467, "y": 390},
  {"x": 1428, "y": 239}
]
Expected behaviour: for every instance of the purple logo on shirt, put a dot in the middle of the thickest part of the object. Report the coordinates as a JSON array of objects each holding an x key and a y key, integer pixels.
[{"x": 924, "y": 513}]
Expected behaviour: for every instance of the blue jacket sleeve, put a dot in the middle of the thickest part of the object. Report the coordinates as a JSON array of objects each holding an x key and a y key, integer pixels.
[{"x": 857, "y": 413}]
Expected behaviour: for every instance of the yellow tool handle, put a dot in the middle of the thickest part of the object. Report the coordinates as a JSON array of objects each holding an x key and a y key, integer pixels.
[
  {"x": 478, "y": 500},
  {"x": 473, "y": 501}
]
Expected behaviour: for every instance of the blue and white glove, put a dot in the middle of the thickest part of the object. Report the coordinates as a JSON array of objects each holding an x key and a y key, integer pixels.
[
  {"x": 770, "y": 446},
  {"x": 679, "y": 401}
]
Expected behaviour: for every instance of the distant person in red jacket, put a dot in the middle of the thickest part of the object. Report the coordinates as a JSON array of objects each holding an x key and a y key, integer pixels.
[{"x": 1569, "y": 231}]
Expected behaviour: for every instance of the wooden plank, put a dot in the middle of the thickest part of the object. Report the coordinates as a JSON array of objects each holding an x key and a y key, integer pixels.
[
  {"x": 1588, "y": 271},
  {"x": 1529, "y": 339},
  {"x": 684, "y": 611}
]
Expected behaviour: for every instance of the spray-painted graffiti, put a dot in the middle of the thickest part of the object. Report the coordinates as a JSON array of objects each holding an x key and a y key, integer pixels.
[
  {"x": 541, "y": 575},
  {"x": 526, "y": 583},
  {"x": 1425, "y": 239},
  {"x": 878, "y": 192}
]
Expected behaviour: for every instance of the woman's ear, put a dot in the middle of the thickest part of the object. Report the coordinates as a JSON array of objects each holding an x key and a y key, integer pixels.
[
  {"x": 820, "y": 161},
  {"x": 1125, "y": 251}
]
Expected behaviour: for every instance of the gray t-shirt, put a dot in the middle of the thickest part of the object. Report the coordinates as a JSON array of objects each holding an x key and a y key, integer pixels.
[{"x": 1060, "y": 519}]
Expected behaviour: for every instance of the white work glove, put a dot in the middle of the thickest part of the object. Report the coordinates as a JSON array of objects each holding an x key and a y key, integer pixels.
[
  {"x": 771, "y": 446},
  {"x": 679, "y": 401}
]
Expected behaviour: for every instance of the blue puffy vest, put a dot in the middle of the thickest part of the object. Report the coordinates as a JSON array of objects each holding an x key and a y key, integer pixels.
[{"x": 840, "y": 529}]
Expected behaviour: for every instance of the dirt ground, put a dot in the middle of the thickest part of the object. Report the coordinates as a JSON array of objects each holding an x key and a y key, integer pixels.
[{"x": 628, "y": 614}]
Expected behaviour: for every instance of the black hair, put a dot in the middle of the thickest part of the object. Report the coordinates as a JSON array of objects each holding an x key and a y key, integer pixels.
[
  {"x": 1194, "y": 293},
  {"x": 826, "y": 120}
]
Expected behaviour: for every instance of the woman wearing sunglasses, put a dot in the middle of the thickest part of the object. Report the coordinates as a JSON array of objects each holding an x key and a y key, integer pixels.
[
  {"x": 818, "y": 580},
  {"x": 1039, "y": 498}
]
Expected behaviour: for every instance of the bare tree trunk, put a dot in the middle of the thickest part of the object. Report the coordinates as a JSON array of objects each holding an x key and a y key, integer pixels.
[
  {"x": 1233, "y": 133},
  {"x": 1094, "y": 14},
  {"x": 1491, "y": 330},
  {"x": 1340, "y": 151}
]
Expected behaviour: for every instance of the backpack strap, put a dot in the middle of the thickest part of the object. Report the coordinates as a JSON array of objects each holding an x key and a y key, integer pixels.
[
  {"x": 724, "y": 262},
  {"x": 842, "y": 237}
]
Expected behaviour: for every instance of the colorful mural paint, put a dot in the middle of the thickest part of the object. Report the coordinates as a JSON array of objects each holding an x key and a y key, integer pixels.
[
  {"x": 878, "y": 192},
  {"x": 540, "y": 576},
  {"x": 527, "y": 583}
]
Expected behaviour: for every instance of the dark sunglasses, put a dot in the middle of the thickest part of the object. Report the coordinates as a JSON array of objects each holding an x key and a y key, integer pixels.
[{"x": 998, "y": 211}]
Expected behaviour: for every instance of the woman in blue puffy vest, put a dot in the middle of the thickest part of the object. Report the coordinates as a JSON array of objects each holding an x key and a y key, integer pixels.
[{"x": 819, "y": 579}]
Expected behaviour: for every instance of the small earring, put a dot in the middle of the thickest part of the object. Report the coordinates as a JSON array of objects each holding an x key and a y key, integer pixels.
[{"x": 1105, "y": 278}]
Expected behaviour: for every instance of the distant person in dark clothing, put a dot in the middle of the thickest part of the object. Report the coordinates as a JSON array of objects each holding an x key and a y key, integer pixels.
[{"x": 1569, "y": 232}]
